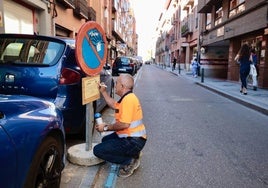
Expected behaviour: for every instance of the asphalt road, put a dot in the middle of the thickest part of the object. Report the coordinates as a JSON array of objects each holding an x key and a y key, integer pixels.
[{"x": 196, "y": 138}]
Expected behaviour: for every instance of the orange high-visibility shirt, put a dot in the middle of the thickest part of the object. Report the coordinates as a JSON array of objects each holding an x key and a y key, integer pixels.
[{"x": 128, "y": 110}]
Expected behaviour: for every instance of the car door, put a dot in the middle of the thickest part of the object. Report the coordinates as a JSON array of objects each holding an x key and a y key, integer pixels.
[{"x": 8, "y": 162}]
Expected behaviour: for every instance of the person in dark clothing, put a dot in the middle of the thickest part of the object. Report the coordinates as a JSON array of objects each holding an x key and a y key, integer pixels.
[
  {"x": 174, "y": 64},
  {"x": 243, "y": 57}
]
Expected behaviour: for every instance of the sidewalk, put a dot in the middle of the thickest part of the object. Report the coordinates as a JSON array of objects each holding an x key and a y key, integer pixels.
[
  {"x": 86, "y": 176},
  {"x": 257, "y": 100}
]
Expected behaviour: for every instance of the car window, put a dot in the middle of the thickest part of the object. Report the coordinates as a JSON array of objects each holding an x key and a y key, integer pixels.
[
  {"x": 30, "y": 51},
  {"x": 11, "y": 52},
  {"x": 123, "y": 60}
]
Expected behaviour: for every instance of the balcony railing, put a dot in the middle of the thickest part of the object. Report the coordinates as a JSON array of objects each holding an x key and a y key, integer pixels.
[
  {"x": 206, "y": 6},
  {"x": 91, "y": 14},
  {"x": 187, "y": 25},
  {"x": 189, "y": 3},
  {"x": 67, "y": 3},
  {"x": 81, "y": 9},
  {"x": 186, "y": 30},
  {"x": 174, "y": 20}
]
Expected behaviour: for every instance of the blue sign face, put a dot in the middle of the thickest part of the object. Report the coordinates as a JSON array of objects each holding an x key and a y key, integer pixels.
[{"x": 91, "y": 48}]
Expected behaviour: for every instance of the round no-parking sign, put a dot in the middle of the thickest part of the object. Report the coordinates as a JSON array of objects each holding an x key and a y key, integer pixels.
[{"x": 91, "y": 48}]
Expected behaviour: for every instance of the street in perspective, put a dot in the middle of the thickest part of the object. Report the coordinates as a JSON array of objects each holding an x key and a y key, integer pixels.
[
  {"x": 197, "y": 118},
  {"x": 196, "y": 137}
]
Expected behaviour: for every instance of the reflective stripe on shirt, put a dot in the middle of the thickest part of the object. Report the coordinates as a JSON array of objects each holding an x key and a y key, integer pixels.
[{"x": 136, "y": 129}]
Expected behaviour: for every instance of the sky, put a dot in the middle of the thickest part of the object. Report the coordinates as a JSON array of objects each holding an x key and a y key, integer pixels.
[{"x": 147, "y": 13}]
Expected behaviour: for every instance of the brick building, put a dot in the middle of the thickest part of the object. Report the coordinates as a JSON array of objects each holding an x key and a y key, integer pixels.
[
  {"x": 226, "y": 25},
  {"x": 213, "y": 31},
  {"x": 65, "y": 17}
]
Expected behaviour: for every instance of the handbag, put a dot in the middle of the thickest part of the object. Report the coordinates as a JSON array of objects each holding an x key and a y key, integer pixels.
[{"x": 253, "y": 71}]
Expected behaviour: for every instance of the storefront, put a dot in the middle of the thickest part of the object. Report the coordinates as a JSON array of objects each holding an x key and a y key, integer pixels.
[{"x": 258, "y": 41}]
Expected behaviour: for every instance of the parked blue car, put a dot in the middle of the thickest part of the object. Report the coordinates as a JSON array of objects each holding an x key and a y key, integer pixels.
[
  {"x": 46, "y": 67},
  {"x": 32, "y": 139}
]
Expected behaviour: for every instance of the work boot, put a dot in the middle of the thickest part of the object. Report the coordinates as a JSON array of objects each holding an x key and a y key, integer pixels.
[{"x": 127, "y": 170}]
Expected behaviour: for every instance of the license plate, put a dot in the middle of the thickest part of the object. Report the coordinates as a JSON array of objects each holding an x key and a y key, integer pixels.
[{"x": 122, "y": 69}]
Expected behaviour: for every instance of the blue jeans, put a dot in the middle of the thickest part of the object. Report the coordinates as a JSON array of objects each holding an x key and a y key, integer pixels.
[
  {"x": 194, "y": 71},
  {"x": 119, "y": 150},
  {"x": 244, "y": 72}
]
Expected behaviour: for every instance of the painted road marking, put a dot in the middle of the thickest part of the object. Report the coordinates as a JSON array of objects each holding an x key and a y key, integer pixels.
[{"x": 112, "y": 176}]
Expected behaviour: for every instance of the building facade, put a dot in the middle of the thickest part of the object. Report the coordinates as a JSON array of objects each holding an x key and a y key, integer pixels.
[
  {"x": 213, "y": 32},
  {"x": 64, "y": 18},
  {"x": 225, "y": 26},
  {"x": 25, "y": 17},
  {"x": 178, "y": 31}
]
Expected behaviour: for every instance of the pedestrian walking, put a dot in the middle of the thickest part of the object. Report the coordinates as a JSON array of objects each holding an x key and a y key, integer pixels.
[
  {"x": 174, "y": 64},
  {"x": 195, "y": 66},
  {"x": 124, "y": 145},
  {"x": 243, "y": 58}
]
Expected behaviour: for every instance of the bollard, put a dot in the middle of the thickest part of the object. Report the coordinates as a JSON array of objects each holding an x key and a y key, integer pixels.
[
  {"x": 179, "y": 69},
  {"x": 202, "y": 75}
]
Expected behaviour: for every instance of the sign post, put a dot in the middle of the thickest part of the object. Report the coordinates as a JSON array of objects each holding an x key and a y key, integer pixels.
[
  {"x": 90, "y": 93},
  {"x": 91, "y": 53}
]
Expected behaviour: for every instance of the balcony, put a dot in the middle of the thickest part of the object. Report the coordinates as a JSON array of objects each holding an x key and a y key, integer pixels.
[
  {"x": 186, "y": 30},
  {"x": 114, "y": 5},
  {"x": 174, "y": 21},
  {"x": 67, "y": 3},
  {"x": 81, "y": 9},
  {"x": 205, "y": 6},
  {"x": 187, "y": 25},
  {"x": 172, "y": 38},
  {"x": 189, "y": 3},
  {"x": 91, "y": 14},
  {"x": 166, "y": 48}
]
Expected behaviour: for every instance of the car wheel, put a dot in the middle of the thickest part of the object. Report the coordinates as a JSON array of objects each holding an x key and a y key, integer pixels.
[{"x": 46, "y": 167}]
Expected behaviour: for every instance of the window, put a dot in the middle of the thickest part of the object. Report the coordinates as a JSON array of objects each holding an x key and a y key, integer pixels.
[
  {"x": 218, "y": 14},
  {"x": 208, "y": 21},
  {"x": 236, "y": 6},
  {"x": 12, "y": 52},
  {"x": 29, "y": 51}
]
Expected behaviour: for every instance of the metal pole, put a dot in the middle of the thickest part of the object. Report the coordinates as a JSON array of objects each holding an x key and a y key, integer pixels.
[
  {"x": 202, "y": 75},
  {"x": 89, "y": 125}
]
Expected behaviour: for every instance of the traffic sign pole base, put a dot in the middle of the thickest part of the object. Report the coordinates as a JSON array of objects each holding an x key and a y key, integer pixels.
[{"x": 78, "y": 155}]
